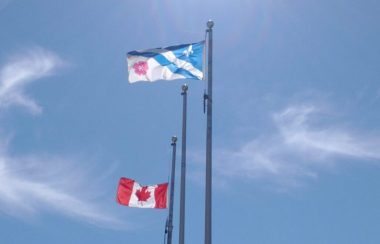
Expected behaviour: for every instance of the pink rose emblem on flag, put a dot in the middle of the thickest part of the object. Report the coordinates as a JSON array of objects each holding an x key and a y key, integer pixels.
[{"x": 140, "y": 67}]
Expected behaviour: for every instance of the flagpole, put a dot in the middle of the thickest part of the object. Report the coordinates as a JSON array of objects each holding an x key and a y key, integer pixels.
[
  {"x": 183, "y": 168},
  {"x": 208, "y": 195},
  {"x": 172, "y": 178}
]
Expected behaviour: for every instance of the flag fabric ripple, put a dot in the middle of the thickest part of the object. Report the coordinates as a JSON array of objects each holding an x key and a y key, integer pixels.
[
  {"x": 170, "y": 63},
  {"x": 132, "y": 194}
]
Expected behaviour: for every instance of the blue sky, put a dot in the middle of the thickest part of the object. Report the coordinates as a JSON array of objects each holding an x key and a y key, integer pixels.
[{"x": 296, "y": 120}]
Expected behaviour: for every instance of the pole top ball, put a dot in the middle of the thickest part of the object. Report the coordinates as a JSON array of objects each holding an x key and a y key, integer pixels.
[
  {"x": 174, "y": 139},
  {"x": 185, "y": 87},
  {"x": 210, "y": 24}
]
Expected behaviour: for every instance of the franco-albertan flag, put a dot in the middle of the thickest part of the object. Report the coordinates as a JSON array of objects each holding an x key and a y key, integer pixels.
[
  {"x": 169, "y": 63},
  {"x": 132, "y": 194}
]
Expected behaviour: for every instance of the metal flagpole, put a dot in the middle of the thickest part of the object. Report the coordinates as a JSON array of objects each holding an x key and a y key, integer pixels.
[
  {"x": 172, "y": 178},
  {"x": 183, "y": 168},
  {"x": 208, "y": 223}
]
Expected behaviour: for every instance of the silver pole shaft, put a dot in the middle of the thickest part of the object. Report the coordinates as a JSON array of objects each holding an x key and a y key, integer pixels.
[
  {"x": 183, "y": 168},
  {"x": 172, "y": 178},
  {"x": 208, "y": 197}
]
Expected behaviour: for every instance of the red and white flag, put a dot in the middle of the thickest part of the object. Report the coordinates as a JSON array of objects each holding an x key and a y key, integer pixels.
[{"x": 132, "y": 194}]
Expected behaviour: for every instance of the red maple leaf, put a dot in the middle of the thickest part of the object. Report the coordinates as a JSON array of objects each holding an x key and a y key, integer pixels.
[{"x": 143, "y": 194}]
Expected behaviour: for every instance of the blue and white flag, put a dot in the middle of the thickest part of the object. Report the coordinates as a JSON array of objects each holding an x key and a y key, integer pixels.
[{"x": 169, "y": 63}]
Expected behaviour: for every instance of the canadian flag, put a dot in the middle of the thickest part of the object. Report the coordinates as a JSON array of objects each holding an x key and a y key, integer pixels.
[{"x": 132, "y": 194}]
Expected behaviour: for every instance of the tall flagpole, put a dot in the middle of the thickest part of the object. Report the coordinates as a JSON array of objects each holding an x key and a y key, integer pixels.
[
  {"x": 183, "y": 168},
  {"x": 208, "y": 202},
  {"x": 172, "y": 178}
]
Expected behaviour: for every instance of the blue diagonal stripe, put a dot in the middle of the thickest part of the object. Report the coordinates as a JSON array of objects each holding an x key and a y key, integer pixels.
[
  {"x": 163, "y": 61},
  {"x": 195, "y": 58},
  {"x": 173, "y": 68}
]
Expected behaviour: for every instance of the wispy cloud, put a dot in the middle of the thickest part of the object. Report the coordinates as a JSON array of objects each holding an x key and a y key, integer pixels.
[
  {"x": 299, "y": 148},
  {"x": 34, "y": 184},
  {"x": 294, "y": 125},
  {"x": 21, "y": 70}
]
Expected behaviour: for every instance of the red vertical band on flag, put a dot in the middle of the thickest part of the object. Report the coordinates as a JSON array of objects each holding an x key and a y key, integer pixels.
[
  {"x": 124, "y": 190},
  {"x": 160, "y": 194}
]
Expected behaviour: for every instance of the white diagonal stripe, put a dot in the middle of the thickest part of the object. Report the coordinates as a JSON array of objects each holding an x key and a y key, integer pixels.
[{"x": 169, "y": 55}]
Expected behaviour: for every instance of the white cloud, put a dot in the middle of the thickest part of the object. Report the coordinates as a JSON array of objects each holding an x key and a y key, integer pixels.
[
  {"x": 293, "y": 124},
  {"x": 34, "y": 184},
  {"x": 21, "y": 70},
  {"x": 299, "y": 148}
]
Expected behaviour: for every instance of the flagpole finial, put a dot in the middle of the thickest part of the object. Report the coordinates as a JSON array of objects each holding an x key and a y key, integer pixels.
[
  {"x": 210, "y": 24},
  {"x": 174, "y": 139},
  {"x": 185, "y": 87}
]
